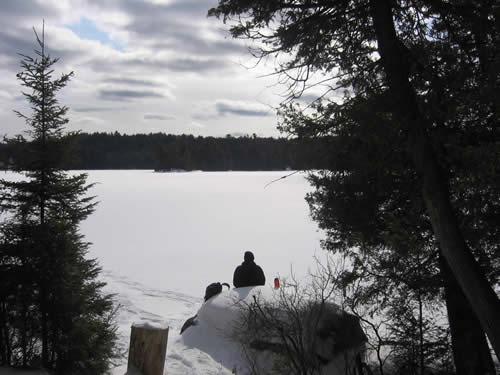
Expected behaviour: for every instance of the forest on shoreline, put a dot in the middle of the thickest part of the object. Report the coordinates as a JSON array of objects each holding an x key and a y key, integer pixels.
[{"x": 160, "y": 151}]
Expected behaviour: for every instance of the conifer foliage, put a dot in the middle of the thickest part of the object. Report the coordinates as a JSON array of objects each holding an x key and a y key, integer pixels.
[{"x": 53, "y": 312}]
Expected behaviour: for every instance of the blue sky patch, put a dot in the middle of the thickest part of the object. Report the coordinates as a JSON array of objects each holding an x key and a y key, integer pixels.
[{"x": 87, "y": 29}]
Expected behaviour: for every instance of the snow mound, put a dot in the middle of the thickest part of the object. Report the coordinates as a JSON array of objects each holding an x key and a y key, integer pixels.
[
  {"x": 211, "y": 332},
  {"x": 221, "y": 311}
]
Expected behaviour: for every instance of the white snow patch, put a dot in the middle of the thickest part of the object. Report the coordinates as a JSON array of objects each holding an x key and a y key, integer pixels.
[{"x": 153, "y": 326}]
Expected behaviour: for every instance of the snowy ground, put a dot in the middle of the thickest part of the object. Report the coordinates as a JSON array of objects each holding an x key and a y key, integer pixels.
[{"x": 140, "y": 303}]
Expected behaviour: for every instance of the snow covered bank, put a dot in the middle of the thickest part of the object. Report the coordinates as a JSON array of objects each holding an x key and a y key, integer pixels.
[
  {"x": 203, "y": 349},
  {"x": 141, "y": 305}
]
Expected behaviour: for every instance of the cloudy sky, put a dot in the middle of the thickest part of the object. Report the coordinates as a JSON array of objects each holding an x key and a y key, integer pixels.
[{"x": 140, "y": 66}]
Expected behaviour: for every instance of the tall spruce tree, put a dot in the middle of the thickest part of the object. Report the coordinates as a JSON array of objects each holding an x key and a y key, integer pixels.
[{"x": 53, "y": 311}]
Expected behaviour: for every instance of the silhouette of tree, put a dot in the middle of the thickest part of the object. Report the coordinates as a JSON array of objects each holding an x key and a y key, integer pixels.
[{"x": 52, "y": 307}]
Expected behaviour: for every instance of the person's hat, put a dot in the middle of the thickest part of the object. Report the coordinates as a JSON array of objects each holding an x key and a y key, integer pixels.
[{"x": 249, "y": 256}]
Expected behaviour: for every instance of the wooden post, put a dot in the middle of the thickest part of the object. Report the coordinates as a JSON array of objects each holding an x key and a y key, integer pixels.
[{"x": 148, "y": 347}]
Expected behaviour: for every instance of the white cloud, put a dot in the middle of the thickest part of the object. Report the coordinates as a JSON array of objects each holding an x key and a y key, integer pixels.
[
  {"x": 240, "y": 108},
  {"x": 175, "y": 62}
]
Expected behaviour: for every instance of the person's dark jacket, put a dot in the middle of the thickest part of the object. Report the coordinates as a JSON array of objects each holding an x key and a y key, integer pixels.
[{"x": 248, "y": 274}]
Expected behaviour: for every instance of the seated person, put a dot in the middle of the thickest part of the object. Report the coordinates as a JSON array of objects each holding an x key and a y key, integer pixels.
[{"x": 248, "y": 273}]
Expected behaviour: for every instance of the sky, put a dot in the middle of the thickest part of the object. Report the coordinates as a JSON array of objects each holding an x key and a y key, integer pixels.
[{"x": 140, "y": 66}]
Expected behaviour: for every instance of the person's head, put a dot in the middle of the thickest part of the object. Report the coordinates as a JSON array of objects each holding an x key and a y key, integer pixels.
[{"x": 249, "y": 256}]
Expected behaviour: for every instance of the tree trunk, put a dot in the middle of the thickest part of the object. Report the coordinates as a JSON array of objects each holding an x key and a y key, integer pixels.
[
  {"x": 471, "y": 352},
  {"x": 147, "y": 351},
  {"x": 466, "y": 270}
]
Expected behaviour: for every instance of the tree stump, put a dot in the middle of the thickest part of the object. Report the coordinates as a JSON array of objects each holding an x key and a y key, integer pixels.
[{"x": 148, "y": 347}]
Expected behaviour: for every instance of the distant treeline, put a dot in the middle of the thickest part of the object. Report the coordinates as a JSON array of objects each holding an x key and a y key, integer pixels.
[{"x": 161, "y": 151}]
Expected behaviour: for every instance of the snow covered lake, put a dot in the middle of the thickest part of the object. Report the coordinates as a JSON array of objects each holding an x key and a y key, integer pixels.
[{"x": 182, "y": 231}]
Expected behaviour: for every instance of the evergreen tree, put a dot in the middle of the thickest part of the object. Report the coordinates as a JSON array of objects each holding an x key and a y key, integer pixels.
[{"x": 53, "y": 309}]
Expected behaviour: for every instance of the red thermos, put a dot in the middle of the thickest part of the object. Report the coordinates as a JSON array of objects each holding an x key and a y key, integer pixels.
[{"x": 276, "y": 283}]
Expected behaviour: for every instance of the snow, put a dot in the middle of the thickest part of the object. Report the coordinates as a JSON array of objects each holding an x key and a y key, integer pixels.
[
  {"x": 151, "y": 326},
  {"x": 215, "y": 320}
]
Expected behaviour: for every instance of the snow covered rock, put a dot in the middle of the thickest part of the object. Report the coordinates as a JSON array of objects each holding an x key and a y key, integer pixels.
[{"x": 337, "y": 338}]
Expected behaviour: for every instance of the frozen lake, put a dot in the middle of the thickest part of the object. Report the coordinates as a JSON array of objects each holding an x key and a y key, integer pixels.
[{"x": 182, "y": 231}]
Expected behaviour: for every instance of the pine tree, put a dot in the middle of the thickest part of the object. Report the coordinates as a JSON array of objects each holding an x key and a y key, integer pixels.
[{"x": 53, "y": 310}]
